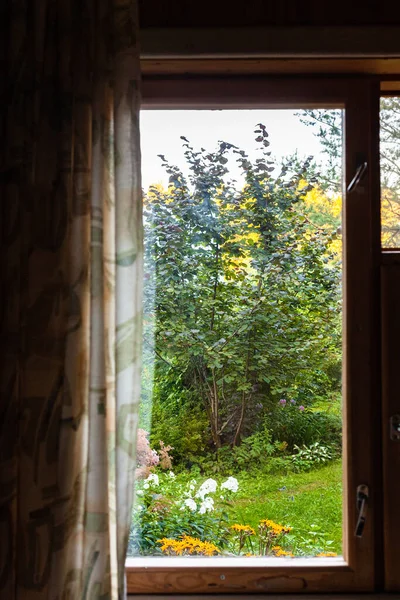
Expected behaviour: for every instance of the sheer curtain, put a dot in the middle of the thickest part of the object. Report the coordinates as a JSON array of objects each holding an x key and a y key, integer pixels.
[{"x": 71, "y": 275}]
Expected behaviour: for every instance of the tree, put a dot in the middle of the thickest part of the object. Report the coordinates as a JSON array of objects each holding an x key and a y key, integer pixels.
[
  {"x": 243, "y": 288},
  {"x": 328, "y": 128}
]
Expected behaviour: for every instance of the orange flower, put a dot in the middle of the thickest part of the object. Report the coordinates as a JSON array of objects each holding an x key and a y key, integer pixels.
[
  {"x": 246, "y": 529},
  {"x": 187, "y": 545},
  {"x": 278, "y": 551},
  {"x": 275, "y": 528}
]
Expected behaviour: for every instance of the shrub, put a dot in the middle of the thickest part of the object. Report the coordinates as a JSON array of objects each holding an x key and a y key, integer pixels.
[
  {"x": 180, "y": 422},
  {"x": 304, "y": 427},
  {"x": 146, "y": 458},
  {"x": 169, "y": 509},
  {"x": 253, "y": 449},
  {"x": 309, "y": 457}
]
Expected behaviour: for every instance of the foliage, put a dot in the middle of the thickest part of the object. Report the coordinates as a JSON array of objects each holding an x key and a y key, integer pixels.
[
  {"x": 308, "y": 457},
  {"x": 270, "y": 535},
  {"x": 179, "y": 418},
  {"x": 241, "y": 301},
  {"x": 390, "y": 170},
  {"x": 327, "y": 126},
  {"x": 146, "y": 458},
  {"x": 171, "y": 507},
  {"x": 242, "y": 362},
  {"x": 165, "y": 456},
  {"x": 254, "y": 449},
  {"x": 187, "y": 545},
  {"x": 296, "y": 427},
  {"x": 253, "y": 510}
]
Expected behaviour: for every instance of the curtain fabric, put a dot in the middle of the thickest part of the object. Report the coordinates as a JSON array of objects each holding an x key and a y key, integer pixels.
[{"x": 71, "y": 275}]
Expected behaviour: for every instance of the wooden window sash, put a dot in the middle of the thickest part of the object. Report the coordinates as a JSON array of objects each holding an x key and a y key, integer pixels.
[
  {"x": 360, "y": 569},
  {"x": 390, "y": 303}
]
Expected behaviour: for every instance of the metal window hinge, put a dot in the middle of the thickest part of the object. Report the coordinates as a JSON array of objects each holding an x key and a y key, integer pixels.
[{"x": 362, "y": 507}]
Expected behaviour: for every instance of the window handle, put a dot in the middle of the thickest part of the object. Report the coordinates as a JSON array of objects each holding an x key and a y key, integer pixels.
[
  {"x": 395, "y": 428},
  {"x": 357, "y": 177},
  {"x": 362, "y": 507}
]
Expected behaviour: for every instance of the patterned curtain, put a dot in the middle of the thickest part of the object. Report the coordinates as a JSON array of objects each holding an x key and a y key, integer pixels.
[{"x": 71, "y": 276}]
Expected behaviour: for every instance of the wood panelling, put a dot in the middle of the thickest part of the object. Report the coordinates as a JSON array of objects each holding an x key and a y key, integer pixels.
[
  {"x": 225, "y": 13},
  {"x": 271, "y": 42},
  {"x": 290, "y": 66}
]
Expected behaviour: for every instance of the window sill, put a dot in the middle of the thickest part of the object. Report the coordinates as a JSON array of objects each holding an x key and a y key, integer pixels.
[{"x": 356, "y": 596}]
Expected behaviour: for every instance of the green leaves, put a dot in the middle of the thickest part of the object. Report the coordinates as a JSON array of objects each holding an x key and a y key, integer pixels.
[{"x": 243, "y": 290}]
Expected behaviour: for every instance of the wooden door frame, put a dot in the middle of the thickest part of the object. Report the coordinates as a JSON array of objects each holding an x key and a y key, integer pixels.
[{"x": 360, "y": 570}]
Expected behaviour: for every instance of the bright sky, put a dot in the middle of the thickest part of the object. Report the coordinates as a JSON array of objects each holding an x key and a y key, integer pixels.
[{"x": 161, "y": 131}]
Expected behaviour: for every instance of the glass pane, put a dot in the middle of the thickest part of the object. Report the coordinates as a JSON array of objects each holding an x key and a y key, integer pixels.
[
  {"x": 390, "y": 171},
  {"x": 239, "y": 448}
]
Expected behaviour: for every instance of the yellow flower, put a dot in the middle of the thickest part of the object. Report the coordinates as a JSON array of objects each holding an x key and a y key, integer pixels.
[
  {"x": 187, "y": 545},
  {"x": 327, "y": 554},
  {"x": 274, "y": 528},
  {"x": 278, "y": 551},
  {"x": 243, "y": 528}
]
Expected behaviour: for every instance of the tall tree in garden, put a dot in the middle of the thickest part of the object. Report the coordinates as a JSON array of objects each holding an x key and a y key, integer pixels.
[
  {"x": 242, "y": 299},
  {"x": 328, "y": 128}
]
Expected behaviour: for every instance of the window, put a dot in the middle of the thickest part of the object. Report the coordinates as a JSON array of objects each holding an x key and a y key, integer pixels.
[
  {"x": 390, "y": 171},
  {"x": 359, "y": 569}
]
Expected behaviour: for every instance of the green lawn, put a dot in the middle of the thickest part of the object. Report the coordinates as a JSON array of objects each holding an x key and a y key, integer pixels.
[{"x": 311, "y": 503}]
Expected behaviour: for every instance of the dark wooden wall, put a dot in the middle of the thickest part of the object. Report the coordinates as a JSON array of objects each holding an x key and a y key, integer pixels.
[{"x": 251, "y": 13}]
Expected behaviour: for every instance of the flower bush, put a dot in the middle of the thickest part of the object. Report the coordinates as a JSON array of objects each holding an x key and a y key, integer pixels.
[
  {"x": 243, "y": 531},
  {"x": 146, "y": 458},
  {"x": 169, "y": 509},
  {"x": 279, "y": 551},
  {"x": 187, "y": 518},
  {"x": 187, "y": 545},
  {"x": 269, "y": 534},
  {"x": 173, "y": 510}
]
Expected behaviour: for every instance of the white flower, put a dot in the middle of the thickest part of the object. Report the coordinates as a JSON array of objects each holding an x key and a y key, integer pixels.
[
  {"x": 139, "y": 493},
  {"x": 153, "y": 478},
  {"x": 206, "y": 506},
  {"x": 172, "y": 475},
  {"x": 222, "y": 497},
  {"x": 230, "y": 484},
  {"x": 139, "y": 507},
  {"x": 191, "y": 487},
  {"x": 190, "y": 503},
  {"x": 208, "y": 487},
  {"x": 146, "y": 486}
]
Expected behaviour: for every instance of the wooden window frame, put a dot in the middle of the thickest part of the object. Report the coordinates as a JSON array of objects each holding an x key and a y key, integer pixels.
[
  {"x": 361, "y": 568},
  {"x": 390, "y": 302}
]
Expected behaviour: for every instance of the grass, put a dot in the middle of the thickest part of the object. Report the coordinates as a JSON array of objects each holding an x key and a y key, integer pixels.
[{"x": 310, "y": 503}]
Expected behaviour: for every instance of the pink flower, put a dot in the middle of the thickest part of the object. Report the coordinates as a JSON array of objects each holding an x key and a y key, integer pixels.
[
  {"x": 301, "y": 408},
  {"x": 282, "y": 401},
  {"x": 145, "y": 456}
]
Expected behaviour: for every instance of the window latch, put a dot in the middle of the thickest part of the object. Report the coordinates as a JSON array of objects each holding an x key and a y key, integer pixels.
[
  {"x": 362, "y": 507},
  {"x": 357, "y": 177},
  {"x": 395, "y": 428}
]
